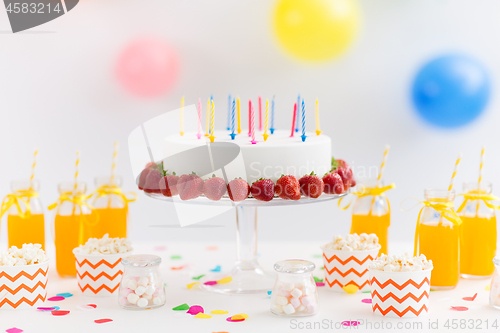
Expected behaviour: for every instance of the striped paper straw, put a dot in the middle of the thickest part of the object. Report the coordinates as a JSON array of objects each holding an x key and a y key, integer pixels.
[
  {"x": 113, "y": 165},
  {"x": 382, "y": 166},
  {"x": 455, "y": 170},
  {"x": 33, "y": 167},
  {"x": 76, "y": 171},
  {"x": 481, "y": 169}
]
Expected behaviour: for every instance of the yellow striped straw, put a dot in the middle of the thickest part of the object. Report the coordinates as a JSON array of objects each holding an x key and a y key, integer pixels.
[
  {"x": 208, "y": 117},
  {"x": 238, "y": 112},
  {"x": 382, "y": 166},
  {"x": 33, "y": 167},
  {"x": 182, "y": 116},
  {"x": 76, "y": 171},
  {"x": 481, "y": 169},
  {"x": 113, "y": 165},
  {"x": 455, "y": 170},
  {"x": 212, "y": 113},
  {"x": 318, "y": 131}
]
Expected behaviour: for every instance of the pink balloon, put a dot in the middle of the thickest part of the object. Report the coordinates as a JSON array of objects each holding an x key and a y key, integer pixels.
[{"x": 147, "y": 67}]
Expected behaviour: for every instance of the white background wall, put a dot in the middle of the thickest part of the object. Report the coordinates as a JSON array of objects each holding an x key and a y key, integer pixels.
[{"x": 58, "y": 94}]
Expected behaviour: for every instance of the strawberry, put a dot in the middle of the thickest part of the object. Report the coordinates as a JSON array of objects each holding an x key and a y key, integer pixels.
[
  {"x": 238, "y": 189},
  {"x": 144, "y": 174},
  {"x": 311, "y": 185},
  {"x": 263, "y": 189},
  {"x": 345, "y": 175},
  {"x": 214, "y": 188},
  {"x": 345, "y": 172},
  {"x": 153, "y": 181},
  {"x": 190, "y": 186},
  {"x": 288, "y": 187},
  {"x": 168, "y": 185},
  {"x": 333, "y": 183}
]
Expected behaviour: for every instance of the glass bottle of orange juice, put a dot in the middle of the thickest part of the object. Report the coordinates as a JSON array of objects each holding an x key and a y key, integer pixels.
[
  {"x": 478, "y": 232},
  {"x": 72, "y": 214},
  {"x": 438, "y": 238},
  {"x": 25, "y": 219},
  {"x": 110, "y": 209},
  {"x": 371, "y": 212}
]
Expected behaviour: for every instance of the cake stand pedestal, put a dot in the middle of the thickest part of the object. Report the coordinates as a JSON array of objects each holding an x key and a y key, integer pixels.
[{"x": 248, "y": 277}]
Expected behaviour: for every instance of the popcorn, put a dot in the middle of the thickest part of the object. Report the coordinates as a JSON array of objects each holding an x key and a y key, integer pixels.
[
  {"x": 354, "y": 242},
  {"x": 105, "y": 245},
  {"x": 28, "y": 254},
  {"x": 401, "y": 263}
]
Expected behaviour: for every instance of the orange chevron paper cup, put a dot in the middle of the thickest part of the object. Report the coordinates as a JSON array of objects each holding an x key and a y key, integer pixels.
[
  {"x": 400, "y": 294},
  {"x": 23, "y": 287},
  {"x": 344, "y": 268},
  {"x": 99, "y": 274}
]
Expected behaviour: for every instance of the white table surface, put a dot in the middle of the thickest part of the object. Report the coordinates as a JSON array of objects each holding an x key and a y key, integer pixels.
[{"x": 334, "y": 307}]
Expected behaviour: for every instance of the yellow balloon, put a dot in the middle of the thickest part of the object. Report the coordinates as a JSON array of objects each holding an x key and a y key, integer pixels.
[{"x": 316, "y": 30}]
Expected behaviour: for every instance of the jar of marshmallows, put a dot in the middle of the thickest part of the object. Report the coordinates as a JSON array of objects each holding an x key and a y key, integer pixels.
[
  {"x": 141, "y": 286},
  {"x": 495, "y": 285},
  {"x": 295, "y": 292}
]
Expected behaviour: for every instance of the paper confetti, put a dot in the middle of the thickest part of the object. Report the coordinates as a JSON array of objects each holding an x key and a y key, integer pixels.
[
  {"x": 350, "y": 289},
  {"x": 210, "y": 283},
  {"x": 202, "y": 315},
  {"x": 13, "y": 330},
  {"x": 56, "y": 298},
  {"x": 219, "y": 312},
  {"x": 316, "y": 279},
  {"x": 198, "y": 277},
  {"x": 487, "y": 288},
  {"x": 227, "y": 279},
  {"x": 216, "y": 269},
  {"x": 160, "y": 248},
  {"x": 212, "y": 248},
  {"x": 175, "y": 257},
  {"x": 195, "y": 309},
  {"x": 60, "y": 313},
  {"x": 178, "y": 268},
  {"x": 269, "y": 292},
  {"x": 367, "y": 300},
  {"x": 234, "y": 320},
  {"x": 468, "y": 298},
  {"x": 86, "y": 306},
  {"x": 65, "y": 295},
  {"x": 366, "y": 292},
  {"x": 192, "y": 285},
  {"x": 52, "y": 308},
  {"x": 320, "y": 284},
  {"x": 181, "y": 307},
  {"x": 459, "y": 308},
  {"x": 102, "y": 321},
  {"x": 317, "y": 256},
  {"x": 239, "y": 316}
]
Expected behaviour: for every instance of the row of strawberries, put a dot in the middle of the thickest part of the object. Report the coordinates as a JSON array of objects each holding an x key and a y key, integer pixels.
[{"x": 154, "y": 179}]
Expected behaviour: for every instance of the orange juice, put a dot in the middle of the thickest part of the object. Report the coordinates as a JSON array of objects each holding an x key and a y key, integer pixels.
[
  {"x": 112, "y": 221},
  {"x": 372, "y": 224},
  {"x": 30, "y": 229},
  {"x": 478, "y": 243},
  {"x": 438, "y": 241},
  {"x": 67, "y": 228}
]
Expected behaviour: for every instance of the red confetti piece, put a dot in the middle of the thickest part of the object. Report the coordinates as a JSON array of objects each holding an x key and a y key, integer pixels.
[
  {"x": 92, "y": 305},
  {"x": 56, "y": 298},
  {"x": 102, "y": 321},
  {"x": 195, "y": 309},
  {"x": 367, "y": 300},
  {"x": 60, "y": 313},
  {"x": 320, "y": 284},
  {"x": 177, "y": 268},
  {"x": 459, "y": 308},
  {"x": 210, "y": 283},
  {"x": 468, "y": 298},
  {"x": 235, "y": 320},
  {"x": 13, "y": 330}
]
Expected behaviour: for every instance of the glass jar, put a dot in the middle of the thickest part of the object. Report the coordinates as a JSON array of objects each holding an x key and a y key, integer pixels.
[
  {"x": 26, "y": 225},
  {"x": 371, "y": 214},
  {"x": 71, "y": 215},
  {"x": 438, "y": 240},
  {"x": 478, "y": 234},
  {"x": 110, "y": 210},
  {"x": 295, "y": 292},
  {"x": 495, "y": 285},
  {"x": 141, "y": 286}
]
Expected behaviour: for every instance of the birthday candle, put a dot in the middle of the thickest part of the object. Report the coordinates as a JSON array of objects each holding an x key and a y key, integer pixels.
[
  {"x": 212, "y": 137},
  {"x": 265, "y": 135},
  {"x": 318, "y": 131},
  {"x": 208, "y": 118},
  {"x": 298, "y": 106},
  {"x": 272, "y": 116},
  {"x": 238, "y": 113},
  {"x": 303, "y": 136},
  {"x": 233, "y": 118},
  {"x": 252, "y": 123},
  {"x": 182, "y": 116},
  {"x": 199, "y": 119},
  {"x": 260, "y": 113},
  {"x": 228, "y": 112},
  {"x": 250, "y": 118},
  {"x": 293, "y": 119}
]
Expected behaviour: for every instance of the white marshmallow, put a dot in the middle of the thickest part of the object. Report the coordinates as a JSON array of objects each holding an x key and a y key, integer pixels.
[
  {"x": 142, "y": 302},
  {"x": 288, "y": 286},
  {"x": 289, "y": 309},
  {"x": 295, "y": 302},
  {"x": 277, "y": 308},
  {"x": 149, "y": 290},
  {"x": 281, "y": 300},
  {"x": 140, "y": 290},
  {"x": 296, "y": 293},
  {"x": 132, "y": 284},
  {"x": 132, "y": 298},
  {"x": 143, "y": 281},
  {"x": 157, "y": 300}
]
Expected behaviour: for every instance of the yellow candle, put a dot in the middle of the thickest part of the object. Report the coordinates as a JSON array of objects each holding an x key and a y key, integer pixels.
[
  {"x": 318, "y": 131},
  {"x": 238, "y": 113},
  {"x": 265, "y": 135},
  {"x": 208, "y": 117},
  {"x": 212, "y": 137}
]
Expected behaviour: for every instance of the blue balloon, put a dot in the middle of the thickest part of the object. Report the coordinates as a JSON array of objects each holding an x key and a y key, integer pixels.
[{"x": 451, "y": 90}]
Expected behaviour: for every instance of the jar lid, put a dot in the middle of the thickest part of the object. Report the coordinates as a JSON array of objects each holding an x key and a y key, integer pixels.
[
  {"x": 294, "y": 266},
  {"x": 141, "y": 260},
  {"x": 496, "y": 261}
]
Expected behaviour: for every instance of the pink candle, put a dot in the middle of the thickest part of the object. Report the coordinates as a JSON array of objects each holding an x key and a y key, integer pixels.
[
  {"x": 252, "y": 123},
  {"x": 199, "y": 119},
  {"x": 260, "y": 113},
  {"x": 294, "y": 116},
  {"x": 250, "y": 118}
]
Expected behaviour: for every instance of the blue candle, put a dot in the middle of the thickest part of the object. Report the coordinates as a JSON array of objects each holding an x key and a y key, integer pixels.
[
  {"x": 303, "y": 136},
  {"x": 228, "y": 112},
  {"x": 298, "y": 107},
  {"x": 272, "y": 116},
  {"x": 233, "y": 117}
]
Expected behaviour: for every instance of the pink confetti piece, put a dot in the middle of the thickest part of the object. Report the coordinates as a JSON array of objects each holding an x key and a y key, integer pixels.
[
  {"x": 234, "y": 320},
  {"x": 56, "y": 298},
  {"x": 14, "y": 330},
  {"x": 468, "y": 298},
  {"x": 195, "y": 309},
  {"x": 60, "y": 313},
  {"x": 212, "y": 248},
  {"x": 320, "y": 284},
  {"x": 160, "y": 248},
  {"x": 86, "y": 307},
  {"x": 459, "y": 308},
  {"x": 102, "y": 321},
  {"x": 46, "y": 309},
  {"x": 367, "y": 300},
  {"x": 210, "y": 283},
  {"x": 350, "y": 323}
]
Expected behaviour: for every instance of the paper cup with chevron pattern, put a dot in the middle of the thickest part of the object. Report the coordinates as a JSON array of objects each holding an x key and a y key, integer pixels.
[
  {"x": 23, "y": 287},
  {"x": 343, "y": 268},
  {"x": 99, "y": 274},
  {"x": 400, "y": 294}
]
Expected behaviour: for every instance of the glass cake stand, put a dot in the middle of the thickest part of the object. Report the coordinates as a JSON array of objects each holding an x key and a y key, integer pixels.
[{"x": 248, "y": 277}]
